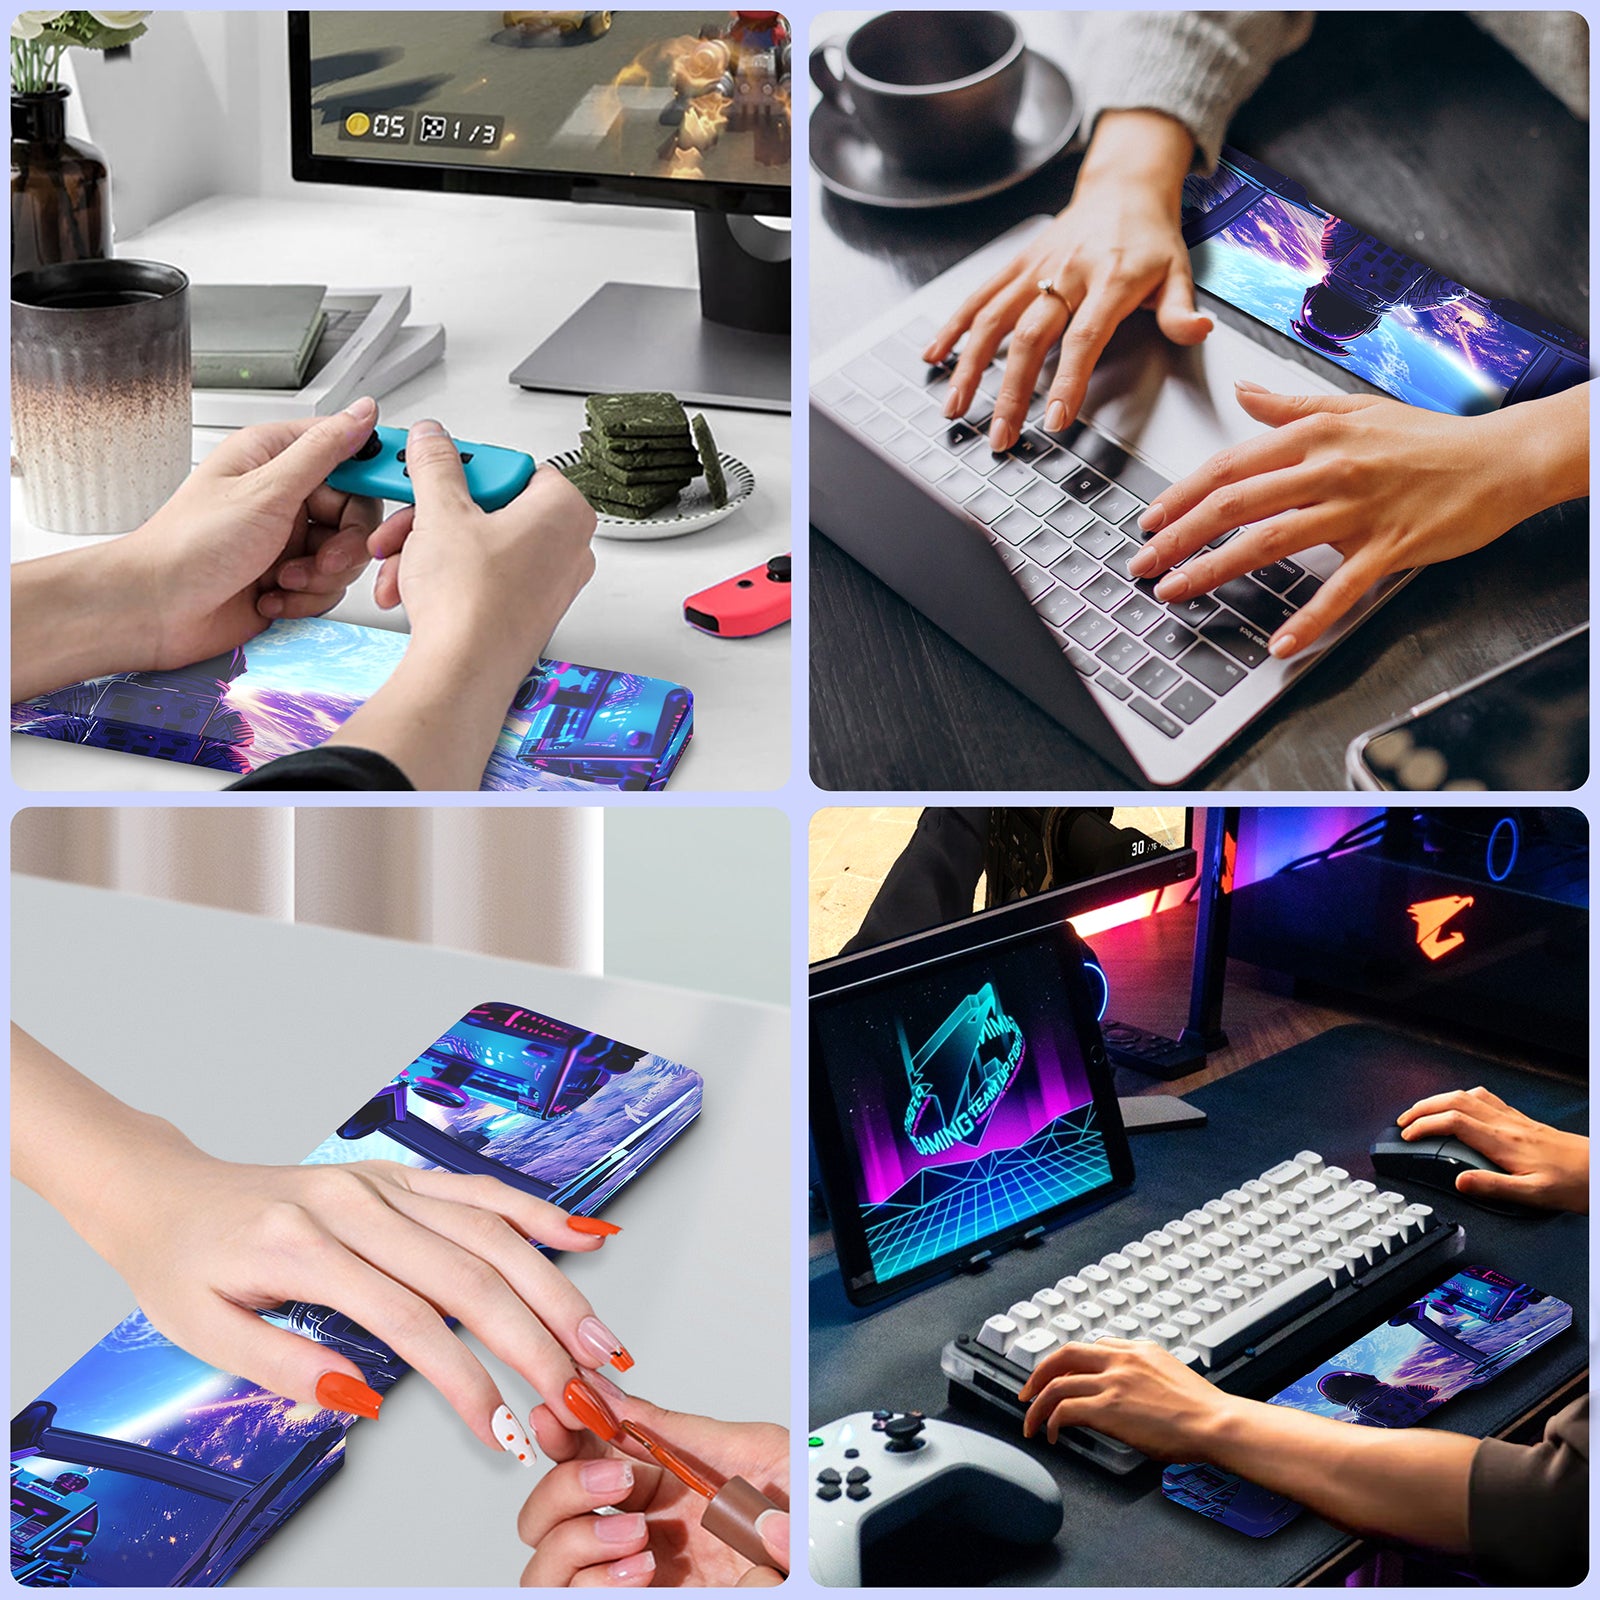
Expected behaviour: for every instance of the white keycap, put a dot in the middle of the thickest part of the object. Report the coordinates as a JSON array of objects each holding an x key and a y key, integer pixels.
[
  {"x": 1140, "y": 1254},
  {"x": 1210, "y": 1277},
  {"x": 1026, "y": 1315},
  {"x": 1092, "y": 1315},
  {"x": 1361, "y": 1186},
  {"x": 1339, "y": 1272},
  {"x": 1276, "y": 1210},
  {"x": 1168, "y": 1301},
  {"x": 1160, "y": 1241},
  {"x": 1158, "y": 1278},
  {"x": 1420, "y": 1212},
  {"x": 1257, "y": 1190},
  {"x": 1032, "y": 1348},
  {"x": 1218, "y": 1241},
  {"x": 1197, "y": 1219},
  {"x": 1146, "y": 1313},
  {"x": 1249, "y": 1253},
  {"x": 1252, "y": 1283},
  {"x": 1190, "y": 1288},
  {"x": 1180, "y": 1231},
  {"x": 1072, "y": 1287},
  {"x": 1219, "y": 1209},
  {"x": 1256, "y": 1221},
  {"x": 1230, "y": 1295},
  {"x": 1393, "y": 1200},
  {"x": 1389, "y": 1231},
  {"x": 1117, "y": 1264},
  {"x": 1136, "y": 1288},
  {"x": 1096, "y": 1277},
  {"x": 1114, "y": 1300},
  {"x": 1199, "y": 1254},
  {"x": 1067, "y": 1328},
  {"x": 1335, "y": 1205},
  {"x": 1207, "y": 1307},
  {"x": 1335, "y": 1174},
  {"x": 1166, "y": 1334},
  {"x": 1178, "y": 1264},
  {"x": 1230, "y": 1264},
  {"x": 1125, "y": 1328},
  {"x": 1236, "y": 1331},
  {"x": 1189, "y": 1356},
  {"x": 1240, "y": 1199},
  {"x": 1283, "y": 1176},
  {"x": 1293, "y": 1260},
  {"x": 1239, "y": 1232},
  {"x": 1050, "y": 1301},
  {"x": 1314, "y": 1188},
  {"x": 1270, "y": 1273},
  {"x": 1327, "y": 1238},
  {"x": 1356, "y": 1257},
  {"x": 1310, "y": 1160},
  {"x": 1410, "y": 1227},
  {"x": 999, "y": 1334}
]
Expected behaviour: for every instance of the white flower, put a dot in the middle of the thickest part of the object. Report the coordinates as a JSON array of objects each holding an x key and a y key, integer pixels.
[
  {"x": 119, "y": 21},
  {"x": 30, "y": 24}
]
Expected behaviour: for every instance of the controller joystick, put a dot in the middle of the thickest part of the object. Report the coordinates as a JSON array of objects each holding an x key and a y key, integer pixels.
[
  {"x": 882, "y": 1470},
  {"x": 753, "y": 602},
  {"x": 495, "y": 476}
]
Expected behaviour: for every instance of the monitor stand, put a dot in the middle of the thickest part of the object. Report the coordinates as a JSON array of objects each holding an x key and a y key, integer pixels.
[{"x": 725, "y": 344}]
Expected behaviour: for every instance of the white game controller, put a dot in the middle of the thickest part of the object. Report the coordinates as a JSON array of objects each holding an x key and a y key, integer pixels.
[{"x": 884, "y": 1469}]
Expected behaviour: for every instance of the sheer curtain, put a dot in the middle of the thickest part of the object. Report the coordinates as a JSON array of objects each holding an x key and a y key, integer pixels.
[{"x": 523, "y": 882}]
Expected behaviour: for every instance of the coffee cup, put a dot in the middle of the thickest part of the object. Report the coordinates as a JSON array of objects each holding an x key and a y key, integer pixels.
[
  {"x": 100, "y": 392},
  {"x": 936, "y": 91}
]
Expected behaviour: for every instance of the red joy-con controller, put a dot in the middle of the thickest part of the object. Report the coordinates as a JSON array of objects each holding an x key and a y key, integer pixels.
[{"x": 755, "y": 602}]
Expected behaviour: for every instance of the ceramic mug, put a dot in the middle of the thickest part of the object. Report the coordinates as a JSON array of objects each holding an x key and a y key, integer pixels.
[
  {"x": 100, "y": 392},
  {"x": 936, "y": 91}
]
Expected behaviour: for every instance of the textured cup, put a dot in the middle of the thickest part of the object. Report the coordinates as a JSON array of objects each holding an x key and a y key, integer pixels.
[{"x": 100, "y": 382}]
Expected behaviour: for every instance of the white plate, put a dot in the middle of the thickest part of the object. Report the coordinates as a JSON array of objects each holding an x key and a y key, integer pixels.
[{"x": 690, "y": 512}]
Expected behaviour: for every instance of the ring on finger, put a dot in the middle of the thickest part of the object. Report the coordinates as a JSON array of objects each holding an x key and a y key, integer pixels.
[{"x": 1048, "y": 291}]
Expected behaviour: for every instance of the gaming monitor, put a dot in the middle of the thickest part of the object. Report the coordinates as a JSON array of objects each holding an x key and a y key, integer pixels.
[
  {"x": 961, "y": 1099},
  {"x": 680, "y": 109}
]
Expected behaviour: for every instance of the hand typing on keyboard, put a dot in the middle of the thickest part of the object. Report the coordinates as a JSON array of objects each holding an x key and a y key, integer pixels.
[
  {"x": 1132, "y": 1390},
  {"x": 1388, "y": 485},
  {"x": 1118, "y": 246}
]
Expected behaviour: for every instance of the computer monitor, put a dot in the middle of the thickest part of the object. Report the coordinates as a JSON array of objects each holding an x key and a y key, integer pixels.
[
  {"x": 1113, "y": 856},
  {"x": 681, "y": 109}
]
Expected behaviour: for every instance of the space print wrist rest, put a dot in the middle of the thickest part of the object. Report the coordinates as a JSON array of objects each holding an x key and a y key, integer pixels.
[
  {"x": 142, "y": 1466},
  {"x": 1458, "y": 1336},
  {"x": 1258, "y": 243},
  {"x": 569, "y": 727}
]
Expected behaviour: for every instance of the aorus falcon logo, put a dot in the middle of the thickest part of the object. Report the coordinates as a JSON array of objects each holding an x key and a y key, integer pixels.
[
  {"x": 958, "y": 1076},
  {"x": 1431, "y": 916}
]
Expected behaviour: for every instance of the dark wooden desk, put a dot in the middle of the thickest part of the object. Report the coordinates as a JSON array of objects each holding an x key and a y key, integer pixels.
[
  {"x": 1417, "y": 127},
  {"x": 1122, "y": 1531}
]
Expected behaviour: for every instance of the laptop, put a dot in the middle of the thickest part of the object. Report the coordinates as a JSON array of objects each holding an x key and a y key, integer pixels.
[{"x": 1022, "y": 557}]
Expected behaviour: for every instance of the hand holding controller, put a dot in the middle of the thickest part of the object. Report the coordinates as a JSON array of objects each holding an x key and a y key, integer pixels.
[
  {"x": 495, "y": 476},
  {"x": 754, "y": 602},
  {"x": 902, "y": 1466}
]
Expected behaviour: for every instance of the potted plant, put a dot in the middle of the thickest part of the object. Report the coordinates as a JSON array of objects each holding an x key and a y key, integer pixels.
[{"x": 60, "y": 188}]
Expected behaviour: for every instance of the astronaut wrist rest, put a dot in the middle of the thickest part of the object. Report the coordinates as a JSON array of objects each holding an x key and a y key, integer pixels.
[{"x": 142, "y": 1466}]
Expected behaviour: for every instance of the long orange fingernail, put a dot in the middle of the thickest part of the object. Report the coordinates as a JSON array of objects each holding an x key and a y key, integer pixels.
[
  {"x": 337, "y": 1391},
  {"x": 593, "y": 1225},
  {"x": 604, "y": 1343},
  {"x": 590, "y": 1409}
]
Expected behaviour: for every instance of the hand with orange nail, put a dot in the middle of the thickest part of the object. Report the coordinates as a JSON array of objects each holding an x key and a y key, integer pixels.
[
  {"x": 1389, "y": 486},
  {"x": 607, "y": 1515},
  {"x": 205, "y": 1243}
]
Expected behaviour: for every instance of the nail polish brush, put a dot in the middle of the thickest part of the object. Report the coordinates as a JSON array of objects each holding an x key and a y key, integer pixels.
[{"x": 731, "y": 1512}]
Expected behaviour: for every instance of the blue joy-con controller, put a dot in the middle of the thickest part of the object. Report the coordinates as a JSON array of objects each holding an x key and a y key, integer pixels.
[{"x": 495, "y": 476}]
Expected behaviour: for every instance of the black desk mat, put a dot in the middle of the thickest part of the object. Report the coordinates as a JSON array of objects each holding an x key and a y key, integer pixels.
[{"x": 1332, "y": 1094}]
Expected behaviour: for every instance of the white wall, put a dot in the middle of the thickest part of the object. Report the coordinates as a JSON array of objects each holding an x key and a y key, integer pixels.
[
  {"x": 200, "y": 107},
  {"x": 724, "y": 928}
]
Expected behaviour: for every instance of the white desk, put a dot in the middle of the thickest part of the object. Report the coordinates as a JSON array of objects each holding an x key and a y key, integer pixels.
[
  {"x": 501, "y": 275},
  {"x": 257, "y": 1037}
]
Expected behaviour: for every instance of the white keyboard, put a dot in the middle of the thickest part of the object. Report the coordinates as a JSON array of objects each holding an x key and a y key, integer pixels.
[{"x": 1211, "y": 1284}]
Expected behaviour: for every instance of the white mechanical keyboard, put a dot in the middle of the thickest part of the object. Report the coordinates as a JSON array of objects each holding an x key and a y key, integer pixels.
[{"x": 1215, "y": 1284}]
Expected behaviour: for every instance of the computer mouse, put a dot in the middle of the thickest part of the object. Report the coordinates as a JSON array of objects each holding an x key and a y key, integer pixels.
[{"x": 1435, "y": 1163}]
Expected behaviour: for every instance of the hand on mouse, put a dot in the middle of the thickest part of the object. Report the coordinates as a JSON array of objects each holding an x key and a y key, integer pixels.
[
  {"x": 251, "y": 535},
  {"x": 1543, "y": 1166},
  {"x": 1118, "y": 246},
  {"x": 657, "y": 1539},
  {"x": 1389, "y": 486}
]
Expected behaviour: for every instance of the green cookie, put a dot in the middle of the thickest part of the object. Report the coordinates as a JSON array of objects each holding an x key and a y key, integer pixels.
[
  {"x": 709, "y": 460},
  {"x": 641, "y": 451},
  {"x": 617, "y": 498},
  {"x": 595, "y": 451},
  {"x": 653, "y": 415}
]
